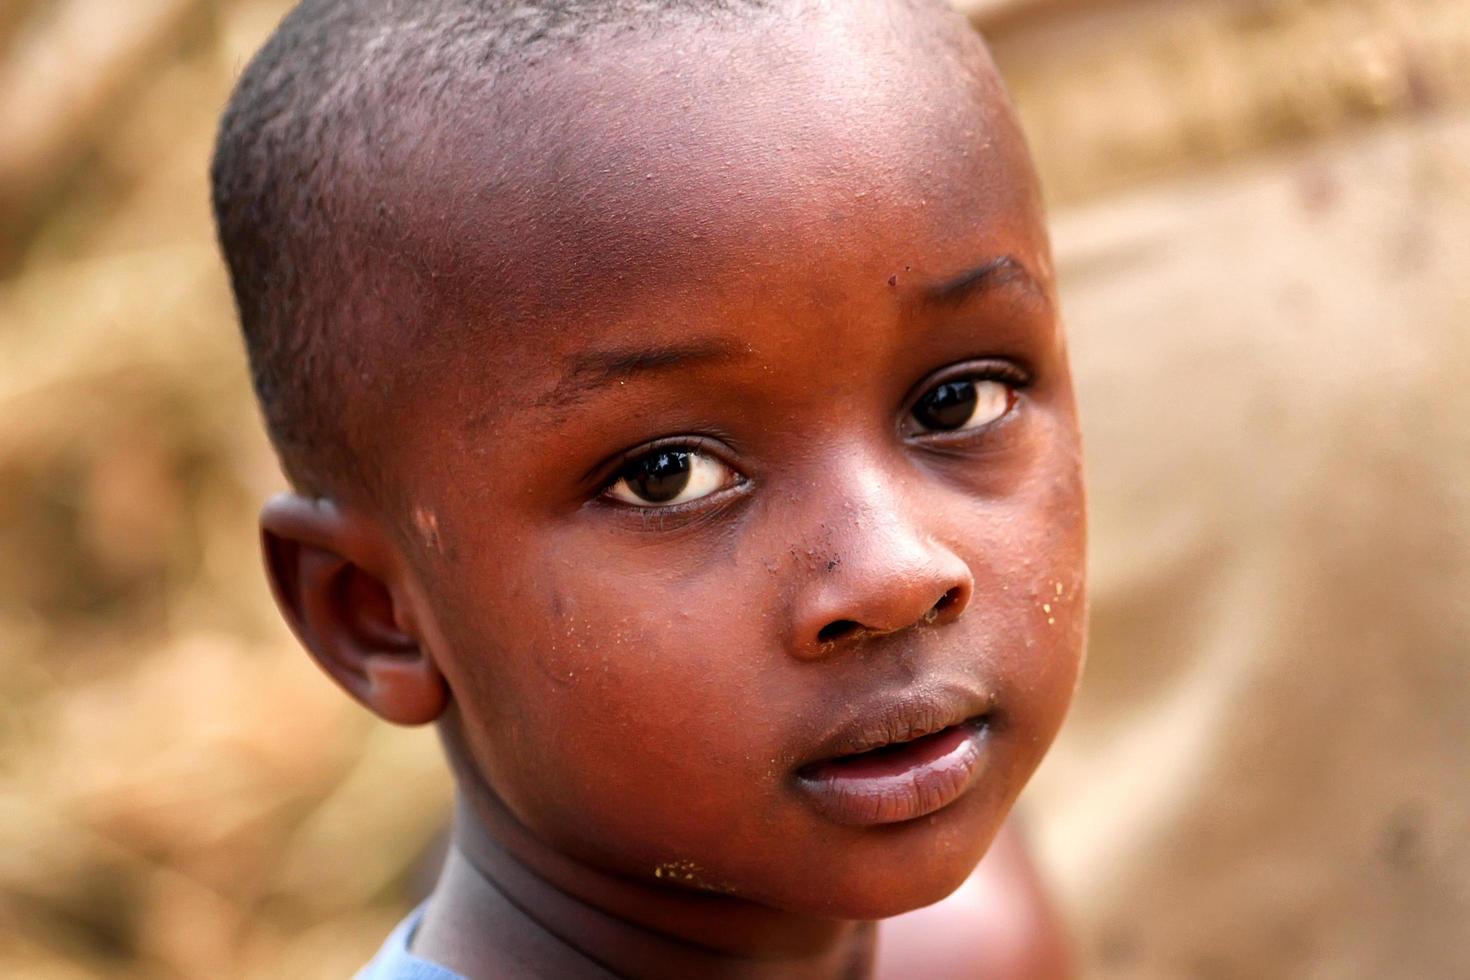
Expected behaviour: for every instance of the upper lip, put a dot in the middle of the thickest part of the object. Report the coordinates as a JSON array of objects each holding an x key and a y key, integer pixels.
[{"x": 893, "y": 720}]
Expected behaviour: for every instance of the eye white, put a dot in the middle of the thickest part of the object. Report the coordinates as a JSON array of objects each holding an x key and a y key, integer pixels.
[
  {"x": 706, "y": 476},
  {"x": 962, "y": 405},
  {"x": 992, "y": 400}
]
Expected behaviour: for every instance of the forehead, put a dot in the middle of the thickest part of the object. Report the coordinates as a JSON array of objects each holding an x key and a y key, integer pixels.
[
  {"x": 710, "y": 153},
  {"x": 759, "y": 184}
]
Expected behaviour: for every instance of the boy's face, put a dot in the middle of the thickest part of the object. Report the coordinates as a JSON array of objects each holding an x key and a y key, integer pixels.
[{"x": 776, "y": 459}]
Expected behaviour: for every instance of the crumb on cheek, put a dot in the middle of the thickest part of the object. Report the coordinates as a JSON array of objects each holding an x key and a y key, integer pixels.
[
  {"x": 426, "y": 522},
  {"x": 1054, "y": 603}
]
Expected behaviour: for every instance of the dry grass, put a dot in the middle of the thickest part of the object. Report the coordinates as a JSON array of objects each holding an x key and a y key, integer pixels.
[{"x": 182, "y": 793}]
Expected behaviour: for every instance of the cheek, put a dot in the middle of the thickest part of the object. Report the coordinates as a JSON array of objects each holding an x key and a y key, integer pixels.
[
  {"x": 624, "y": 692},
  {"x": 1034, "y": 582}
]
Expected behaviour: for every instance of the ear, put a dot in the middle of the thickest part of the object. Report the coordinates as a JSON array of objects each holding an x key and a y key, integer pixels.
[{"x": 328, "y": 573}]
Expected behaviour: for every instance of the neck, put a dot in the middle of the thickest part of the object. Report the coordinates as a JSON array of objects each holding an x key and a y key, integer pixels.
[{"x": 505, "y": 895}]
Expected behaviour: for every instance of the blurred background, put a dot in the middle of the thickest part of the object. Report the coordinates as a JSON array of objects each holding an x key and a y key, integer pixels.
[{"x": 1261, "y": 212}]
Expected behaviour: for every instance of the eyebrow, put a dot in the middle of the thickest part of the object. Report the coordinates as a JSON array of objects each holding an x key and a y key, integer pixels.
[
  {"x": 1001, "y": 271},
  {"x": 589, "y": 370}
]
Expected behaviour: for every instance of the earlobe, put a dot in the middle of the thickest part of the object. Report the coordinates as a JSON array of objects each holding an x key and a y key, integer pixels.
[{"x": 328, "y": 573}]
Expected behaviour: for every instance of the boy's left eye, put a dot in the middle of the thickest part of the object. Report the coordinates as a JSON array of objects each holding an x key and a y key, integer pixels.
[
  {"x": 665, "y": 477},
  {"x": 965, "y": 403}
]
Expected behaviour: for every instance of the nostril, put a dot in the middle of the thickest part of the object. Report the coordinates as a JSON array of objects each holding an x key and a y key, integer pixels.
[
  {"x": 836, "y": 630},
  {"x": 945, "y": 603}
]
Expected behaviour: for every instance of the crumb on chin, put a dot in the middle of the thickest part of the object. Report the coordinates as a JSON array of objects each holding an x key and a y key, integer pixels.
[{"x": 688, "y": 873}]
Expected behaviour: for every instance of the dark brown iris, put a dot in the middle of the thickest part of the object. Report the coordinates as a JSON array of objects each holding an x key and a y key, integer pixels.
[
  {"x": 947, "y": 406},
  {"x": 660, "y": 476}
]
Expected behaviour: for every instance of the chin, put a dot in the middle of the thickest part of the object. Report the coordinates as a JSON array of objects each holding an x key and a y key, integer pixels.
[
  {"x": 897, "y": 869},
  {"x": 872, "y": 900}
]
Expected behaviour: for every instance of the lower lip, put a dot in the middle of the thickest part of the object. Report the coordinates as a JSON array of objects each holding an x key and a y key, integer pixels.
[{"x": 898, "y": 783}]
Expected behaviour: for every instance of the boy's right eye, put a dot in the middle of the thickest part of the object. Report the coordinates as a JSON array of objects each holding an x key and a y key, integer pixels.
[{"x": 665, "y": 477}]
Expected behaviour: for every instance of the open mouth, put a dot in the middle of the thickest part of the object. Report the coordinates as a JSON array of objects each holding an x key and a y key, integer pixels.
[
  {"x": 899, "y": 780},
  {"x": 896, "y": 757}
]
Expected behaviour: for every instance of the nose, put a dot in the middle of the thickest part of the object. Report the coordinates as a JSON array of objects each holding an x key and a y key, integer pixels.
[{"x": 887, "y": 575}]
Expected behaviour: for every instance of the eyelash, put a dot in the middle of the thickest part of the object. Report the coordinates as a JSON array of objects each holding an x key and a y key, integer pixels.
[
  {"x": 1008, "y": 373},
  {"x": 1004, "y": 372},
  {"x": 613, "y": 473}
]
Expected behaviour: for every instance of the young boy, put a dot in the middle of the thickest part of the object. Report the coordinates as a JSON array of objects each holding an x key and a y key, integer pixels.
[{"x": 678, "y": 415}]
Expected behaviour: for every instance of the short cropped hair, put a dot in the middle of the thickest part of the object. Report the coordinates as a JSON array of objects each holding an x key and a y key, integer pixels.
[{"x": 306, "y": 125}]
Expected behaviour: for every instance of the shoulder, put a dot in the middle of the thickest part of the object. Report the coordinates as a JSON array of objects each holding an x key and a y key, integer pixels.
[{"x": 395, "y": 962}]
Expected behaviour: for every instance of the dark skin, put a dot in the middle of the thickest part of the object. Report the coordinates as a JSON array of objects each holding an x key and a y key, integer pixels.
[{"x": 766, "y": 430}]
